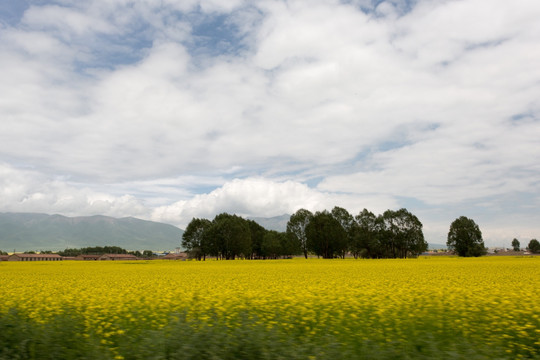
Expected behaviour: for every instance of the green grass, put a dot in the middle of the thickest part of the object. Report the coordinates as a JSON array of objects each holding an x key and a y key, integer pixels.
[{"x": 62, "y": 338}]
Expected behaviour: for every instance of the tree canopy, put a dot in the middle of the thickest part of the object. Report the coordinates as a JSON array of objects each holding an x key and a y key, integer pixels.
[
  {"x": 465, "y": 238},
  {"x": 326, "y": 237},
  {"x": 193, "y": 238},
  {"x": 296, "y": 228},
  {"x": 515, "y": 244},
  {"x": 534, "y": 246}
]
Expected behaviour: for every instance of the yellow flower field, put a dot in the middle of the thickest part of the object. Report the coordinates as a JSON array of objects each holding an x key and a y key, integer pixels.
[{"x": 492, "y": 301}]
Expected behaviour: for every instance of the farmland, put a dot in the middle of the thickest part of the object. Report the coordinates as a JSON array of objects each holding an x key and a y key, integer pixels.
[{"x": 475, "y": 308}]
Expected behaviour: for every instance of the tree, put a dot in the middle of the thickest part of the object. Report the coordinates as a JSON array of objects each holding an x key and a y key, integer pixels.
[
  {"x": 229, "y": 236},
  {"x": 257, "y": 235},
  {"x": 193, "y": 239},
  {"x": 347, "y": 223},
  {"x": 365, "y": 240},
  {"x": 401, "y": 234},
  {"x": 147, "y": 253},
  {"x": 289, "y": 245},
  {"x": 534, "y": 246},
  {"x": 271, "y": 245},
  {"x": 325, "y": 235},
  {"x": 296, "y": 228},
  {"x": 515, "y": 244},
  {"x": 465, "y": 238}
]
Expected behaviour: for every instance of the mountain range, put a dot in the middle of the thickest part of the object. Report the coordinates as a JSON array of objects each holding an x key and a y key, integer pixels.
[{"x": 30, "y": 231}]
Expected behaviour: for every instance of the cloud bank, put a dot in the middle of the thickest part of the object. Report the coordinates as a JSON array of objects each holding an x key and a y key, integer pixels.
[{"x": 171, "y": 110}]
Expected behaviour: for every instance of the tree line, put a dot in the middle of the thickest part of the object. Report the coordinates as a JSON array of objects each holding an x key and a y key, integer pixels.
[
  {"x": 100, "y": 250},
  {"x": 326, "y": 234}
]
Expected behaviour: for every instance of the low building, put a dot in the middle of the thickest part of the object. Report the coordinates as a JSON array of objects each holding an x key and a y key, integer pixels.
[
  {"x": 4, "y": 257},
  {"x": 34, "y": 257},
  {"x": 118, "y": 257}
]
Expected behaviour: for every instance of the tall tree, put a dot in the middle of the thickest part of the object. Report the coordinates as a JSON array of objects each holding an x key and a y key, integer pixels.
[
  {"x": 325, "y": 235},
  {"x": 347, "y": 223},
  {"x": 193, "y": 239},
  {"x": 534, "y": 246},
  {"x": 402, "y": 234},
  {"x": 289, "y": 245},
  {"x": 229, "y": 236},
  {"x": 296, "y": 228},
  {"x": 465, "y": 238},
  {"x": 271, "y": 245},
  {"x": 365, "y": 241},
  {"x": 515, "y": 244},
  {"x": 257, "y": 235}
]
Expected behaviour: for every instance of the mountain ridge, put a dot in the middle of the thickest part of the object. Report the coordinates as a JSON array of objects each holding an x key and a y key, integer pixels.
[{"x": 37, "y": 231}]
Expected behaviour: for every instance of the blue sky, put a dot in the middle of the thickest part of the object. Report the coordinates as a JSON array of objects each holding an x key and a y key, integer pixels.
[{"x": 168, "y": 110}]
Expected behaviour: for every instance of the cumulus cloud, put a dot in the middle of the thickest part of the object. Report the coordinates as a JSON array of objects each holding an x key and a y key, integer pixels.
[{"x": 261, "y": 197}]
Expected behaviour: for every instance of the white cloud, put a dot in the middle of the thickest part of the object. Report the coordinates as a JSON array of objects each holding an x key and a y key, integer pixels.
[
  {"x": 437, "y": 102},
  {"x": 30, "y": 191},
  {"x": 261, "y": 197}
]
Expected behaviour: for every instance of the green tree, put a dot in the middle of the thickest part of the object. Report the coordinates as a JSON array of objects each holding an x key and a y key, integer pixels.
[
  {"x": 70, "y": 252},
  {"x": 193, "y": 238},
  {"x": 325, "y": 235},
  {"x": 229, "y": 236},
  {"x": 296, "y": 228},
  {"x": 515, "y": 244},
  {"x": 534, "y": 246},
  {"x": 147, "y": 253},
  {"x": 271, "y": 245},
  {"x": 402, "y": 234},
  {"x": 289, "y": 245},
  {"x": 465, "y": 238},
  {"x": 257, "y": 235},
  {"x": 347, "y": 223},
  {"x": 365, "y": 241}
]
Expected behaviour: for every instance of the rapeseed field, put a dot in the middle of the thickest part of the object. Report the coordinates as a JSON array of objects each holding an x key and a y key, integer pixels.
[{"x": 475, "y": 308}]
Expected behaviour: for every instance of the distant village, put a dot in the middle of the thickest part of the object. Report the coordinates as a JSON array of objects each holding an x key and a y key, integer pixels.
[
  {"x": 182, "y": 256},
  {"x": 92, "y": 257}
]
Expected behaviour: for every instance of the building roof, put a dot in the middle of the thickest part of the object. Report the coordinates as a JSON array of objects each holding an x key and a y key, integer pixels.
[{"x": 48, "y": 256}]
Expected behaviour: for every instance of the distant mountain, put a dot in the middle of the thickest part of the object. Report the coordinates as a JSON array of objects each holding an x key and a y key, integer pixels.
[
  {"x": 278, "y": 223},
  {"x": 29, "y": 231}
]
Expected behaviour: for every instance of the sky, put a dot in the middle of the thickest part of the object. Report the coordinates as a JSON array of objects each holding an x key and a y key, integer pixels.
[{"x": 168, "y": 110}]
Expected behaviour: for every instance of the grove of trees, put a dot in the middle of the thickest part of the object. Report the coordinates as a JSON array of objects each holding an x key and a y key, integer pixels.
[
  {"x": 99, "y": 250},
  {"x": 394, "y": 234}
]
